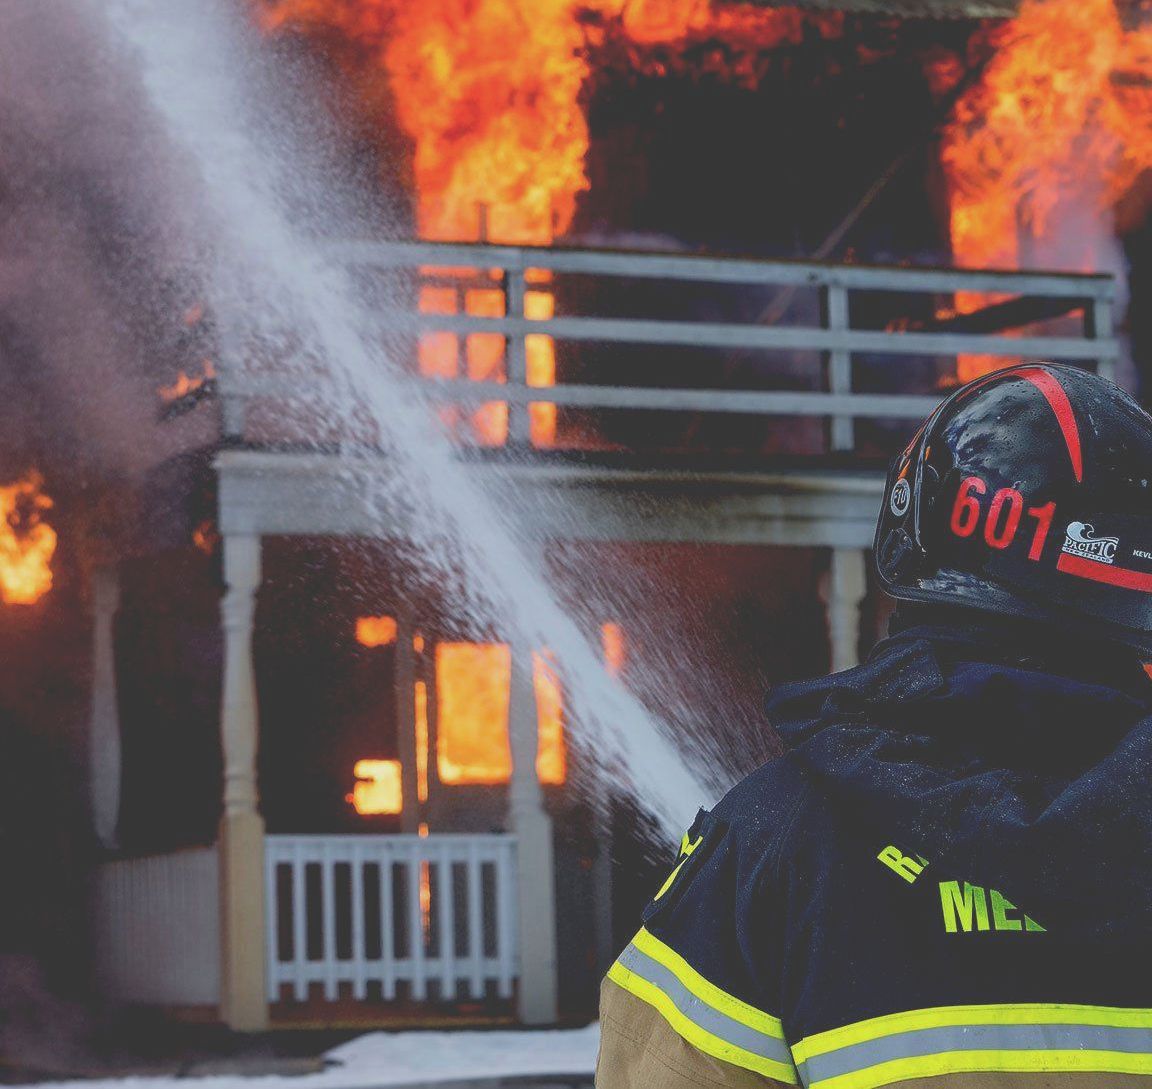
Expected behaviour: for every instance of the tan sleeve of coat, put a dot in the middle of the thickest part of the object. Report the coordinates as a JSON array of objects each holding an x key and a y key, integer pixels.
[{"x": 640, "y": 1050}]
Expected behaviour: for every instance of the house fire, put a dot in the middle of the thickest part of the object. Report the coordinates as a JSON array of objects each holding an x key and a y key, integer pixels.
[{"x": 326, "y": 792}]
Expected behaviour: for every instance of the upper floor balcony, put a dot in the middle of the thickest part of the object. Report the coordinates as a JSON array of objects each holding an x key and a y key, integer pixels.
[{"x": 757, "y": 400}]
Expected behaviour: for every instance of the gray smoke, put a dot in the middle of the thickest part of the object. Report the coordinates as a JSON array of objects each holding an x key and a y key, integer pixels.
[{"x": 92, "y": 275}]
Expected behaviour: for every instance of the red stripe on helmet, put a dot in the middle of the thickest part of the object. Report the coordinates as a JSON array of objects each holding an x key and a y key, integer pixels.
[
  {"x": 1058, "y": 401},
  {"x": 1104, "y": 572}
]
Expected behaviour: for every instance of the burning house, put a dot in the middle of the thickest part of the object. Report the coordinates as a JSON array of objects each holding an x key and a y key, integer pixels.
[{"x": 320, "y": 789}]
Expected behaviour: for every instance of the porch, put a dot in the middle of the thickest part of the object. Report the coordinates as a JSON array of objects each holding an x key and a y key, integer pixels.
[{"x": 423, "y": 921}]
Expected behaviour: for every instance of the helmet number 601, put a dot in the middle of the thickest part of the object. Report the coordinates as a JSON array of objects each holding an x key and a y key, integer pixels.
[{"x": 1004, "y": 515}]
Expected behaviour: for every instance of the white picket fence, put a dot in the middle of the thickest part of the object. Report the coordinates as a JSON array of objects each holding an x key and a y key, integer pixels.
[{"x": 394, "y": 917}]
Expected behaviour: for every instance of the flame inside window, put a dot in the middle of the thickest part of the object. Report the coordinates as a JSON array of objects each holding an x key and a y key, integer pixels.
[
  {"x": 376, "y": 631},
  {"x": 473, "y": 686},
  {"x": 473, "y": 682},
  {"x": 378, "y": 787},
  {"x": 27, "y": 542},
  {"x": 1042, "y": 149}
]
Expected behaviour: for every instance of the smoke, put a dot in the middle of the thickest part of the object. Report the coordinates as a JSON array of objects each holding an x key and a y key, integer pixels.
[{"x": 91, "y": 287}]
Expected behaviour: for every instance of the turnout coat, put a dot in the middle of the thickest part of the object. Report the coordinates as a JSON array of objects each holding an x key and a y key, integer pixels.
[{"x": 947, "y": 875}]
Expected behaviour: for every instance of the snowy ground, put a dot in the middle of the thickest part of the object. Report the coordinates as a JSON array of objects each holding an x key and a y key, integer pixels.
[{"x": 413, "y": 1059}]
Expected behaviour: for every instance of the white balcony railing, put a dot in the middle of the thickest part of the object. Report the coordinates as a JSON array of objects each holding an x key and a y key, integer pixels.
[
  {"x": 1032, "y": 315},
  {"x": 391, "y": 917}
]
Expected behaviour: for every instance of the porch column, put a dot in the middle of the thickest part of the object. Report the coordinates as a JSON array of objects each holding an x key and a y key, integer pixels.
[
  {"x": 104, "y": 717},
  {"x": 535, "y": 876},
  {"x": 844, "y": 593},
  {"x": 243, "y": 987}
]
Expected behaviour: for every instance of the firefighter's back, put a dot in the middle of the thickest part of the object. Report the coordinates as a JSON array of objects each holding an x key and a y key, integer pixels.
[
  {"x": 907, "y": 894},
  {"x": 949, "y": 875}
]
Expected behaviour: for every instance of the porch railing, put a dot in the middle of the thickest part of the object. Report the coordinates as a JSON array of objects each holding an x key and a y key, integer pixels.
[
  {"x": 391, "y": 917},
  {"x": 1011, "y": 317}
]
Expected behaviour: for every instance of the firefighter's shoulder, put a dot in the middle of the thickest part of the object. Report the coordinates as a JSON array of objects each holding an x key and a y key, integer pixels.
[
  {"x": 695, "y": 997},
  {"x": 730, "y": 854}
]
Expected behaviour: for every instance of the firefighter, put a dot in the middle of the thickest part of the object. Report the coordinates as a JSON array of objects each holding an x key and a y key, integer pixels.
[{"x": 948, "y": 874}]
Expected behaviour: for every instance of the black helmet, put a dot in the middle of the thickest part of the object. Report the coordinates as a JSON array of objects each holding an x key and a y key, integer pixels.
[{"x": 1028, "y": 492}]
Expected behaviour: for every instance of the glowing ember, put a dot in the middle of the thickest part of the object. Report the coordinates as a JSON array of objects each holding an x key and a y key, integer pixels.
[
  {"x": 205, "y": 537},
  {"x": 378, "y": 787},
  {"x": 376, "y": 631},
  {"x": 27, "y": 542},
  {"x": 473, "y": 681},
  {"x": 612, "y": 639},
  {"x": 422, "y": 735},
  {"x": 184, "y": 385}
]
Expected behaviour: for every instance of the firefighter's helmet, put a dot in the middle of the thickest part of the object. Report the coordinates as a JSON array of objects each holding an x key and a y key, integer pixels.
[{"x": 1028, "y": 492}]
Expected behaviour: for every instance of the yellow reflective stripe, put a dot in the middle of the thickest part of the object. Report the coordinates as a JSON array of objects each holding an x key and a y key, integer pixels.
[
  {"x": 686, "y": 849},
  {"x": 981, "y": 1062},
  {"x": 696, "y": 1036},
  {"x": 1035, "y": 1013},
  {"x": 708, "y": 993}
]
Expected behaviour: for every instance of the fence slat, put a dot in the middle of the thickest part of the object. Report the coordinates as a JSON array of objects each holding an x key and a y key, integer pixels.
[
  {"x": 387, "y": 929},
  {"x": 475, "y": 923},
  {"x": 299, "y": 924},
  {"x": 505, "y": 922},
  {"x": 359, "y": 973},
  {"x": 272, "y": 930},
  {"x": 328, "y": 890},
  {"x": 446, "y": 914},
  {"x": 416, "y": 872},
  {"x": 836, "y": 318}
]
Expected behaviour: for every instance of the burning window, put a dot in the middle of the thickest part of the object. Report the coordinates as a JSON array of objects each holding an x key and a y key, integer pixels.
[
  {"x": 473, "y": 686},
  {"x": 473, "y": 682}
]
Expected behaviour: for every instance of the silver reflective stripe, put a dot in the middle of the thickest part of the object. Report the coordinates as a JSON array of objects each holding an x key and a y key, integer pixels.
[
  {"x": 935, "y": 1041},
  {"x": 701, "y": 1014}
]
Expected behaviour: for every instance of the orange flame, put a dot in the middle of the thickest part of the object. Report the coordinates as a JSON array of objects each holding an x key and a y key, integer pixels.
[
  {"x": 378, "y": 787},
  {"x": 185, "y": 384},
  {"x": 615, "y": 650},
  {"x": 205, "y": 536},
  {"x": 473, "y": 683},
  {"x": 376, "y": 631},
  {"x": 27, "y": 542},
  {"x": 500, "y": 135},
  {"x": 422, "y": 735},
  {"x": 1054, "y": 135}
]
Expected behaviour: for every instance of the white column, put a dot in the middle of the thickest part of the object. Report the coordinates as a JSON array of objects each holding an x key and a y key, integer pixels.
[
  {"x": 104, "y": 718},
  {"x": 243, "y": 993},
  {"x": 535, "y": 877},
  {"x": 846, "y": 587}
]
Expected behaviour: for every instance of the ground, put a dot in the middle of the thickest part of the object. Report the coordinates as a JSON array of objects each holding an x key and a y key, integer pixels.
[{"x": 560, "y": 1059}]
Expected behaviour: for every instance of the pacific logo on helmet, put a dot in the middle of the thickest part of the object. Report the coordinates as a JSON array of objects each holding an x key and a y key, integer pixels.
[{"x": 1081, "y": 540}]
